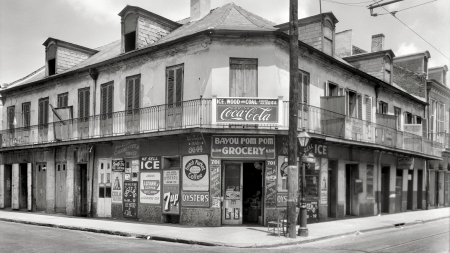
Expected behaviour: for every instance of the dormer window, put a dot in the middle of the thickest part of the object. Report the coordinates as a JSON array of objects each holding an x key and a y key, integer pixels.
[
  {"x": 387, "y": 69},
  {"x": 130, "y": 32},
  {"x": 328, "y": 37},
  {"x": 51, "y": 60}
]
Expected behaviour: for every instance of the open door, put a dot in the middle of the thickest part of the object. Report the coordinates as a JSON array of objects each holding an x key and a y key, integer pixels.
[{"x": 232, "y": 186}]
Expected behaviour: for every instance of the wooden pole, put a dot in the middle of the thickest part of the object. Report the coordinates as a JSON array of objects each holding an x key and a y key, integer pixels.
[{"x": 293, "y": 120}]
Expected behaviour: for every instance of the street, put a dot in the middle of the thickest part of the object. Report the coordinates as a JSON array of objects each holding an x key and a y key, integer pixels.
[{"x": 428, "y": 237}]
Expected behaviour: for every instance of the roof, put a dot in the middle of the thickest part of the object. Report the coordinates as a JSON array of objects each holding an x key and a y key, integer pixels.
[
  {"x": 308, "y": 20},
  {"x": 357, "y": 57},
  {"x": 139, "y": 10},
  {"x": 35, "y": 75},
  {"x": 413, "y": 55},
  {"x": 443, "y": 67},
  {"x": 70, "y": 45}
]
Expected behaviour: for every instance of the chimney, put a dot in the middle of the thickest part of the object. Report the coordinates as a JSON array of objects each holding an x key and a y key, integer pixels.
[
  {"x": 377, "y": 42},
  {"x": 199, "y": 9}
]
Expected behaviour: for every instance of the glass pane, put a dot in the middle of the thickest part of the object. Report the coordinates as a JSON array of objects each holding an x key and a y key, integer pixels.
[{"x": 327, "y": 46}]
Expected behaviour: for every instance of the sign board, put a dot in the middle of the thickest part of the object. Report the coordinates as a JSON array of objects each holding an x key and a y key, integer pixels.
[
  {"x": 215, "y": 179},
  {"x": 358, "y": 186},
  {"x": 271, "y": 183},
  {"x": 198, "y": 199},
  {"x": 171, "y": 192},
  {"x": 282, "y": 199},
  {"x": 117, "y": 189},
  {"x": 324, "y": 190},
  {"x": 250, "y": 146},
  {"x": 312, "y": 211},
  {"x": 195, "y": 173},
  {"x": 239, "y": 110},
  {"x": 150, "y": 192},
  {"x": 130, "y": 195},
  {"x": 282, "y": 174},
  {"x": 118, "y": 165},
  {"x": 316, "y": 149},
  {"x": 128, "y": 148},
  {"x": 151, "y": 163},
  {"x": 405, "y": 163}
]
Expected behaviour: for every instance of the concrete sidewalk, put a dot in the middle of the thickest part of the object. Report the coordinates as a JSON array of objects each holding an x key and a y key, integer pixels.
[{"x": 232, "y": 236}]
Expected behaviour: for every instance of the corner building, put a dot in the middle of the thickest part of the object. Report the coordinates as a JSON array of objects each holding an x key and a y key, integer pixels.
[{"x": 186, "y": 122}]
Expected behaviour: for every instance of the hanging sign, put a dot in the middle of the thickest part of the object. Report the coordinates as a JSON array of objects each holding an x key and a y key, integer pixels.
[
  {"x": 240, "y": 110},
  {"x": 240, "y": 146},
  {"x": 195, "y": 173},
  {"x": 130, "y": 195},
  {"x": 150, "y": 192},
  {"x": 151, "y": 163},
  {"x": 118, "y": 165},
  {"x": 171, "y": 191},
  {"x": 116, "y": 194},
  {"x": 317, "y": 150},
  {"x": 405, "y": 163}
]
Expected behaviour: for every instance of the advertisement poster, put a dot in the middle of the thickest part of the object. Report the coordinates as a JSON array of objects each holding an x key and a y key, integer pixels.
[
  {"x": 150, "y": 192},
  {"x": 195, "y": 173},
  {"x": 117, "y": 188},
  {"x": 128, "y": 148},
  {"x": 215, "y": 179},
  {"x": 282, "y": 199},
  {"x": 151, "y": 163},
  {"x": 118, "y": 165},
  {"x": 247, "y": 110},
  {"x": 171, "y": 191},
  {"x": 282, "y": 174},
  {"x": 233, "y": 146},
  {"x": 324, "y": 182},
  {"x": 135, "y": 170},
  {"x": 198, "y": 199},
  {"x": 271, "y": 184},
  {"x": 130, "y": 195},
  {"x": 312, "y": 211}
]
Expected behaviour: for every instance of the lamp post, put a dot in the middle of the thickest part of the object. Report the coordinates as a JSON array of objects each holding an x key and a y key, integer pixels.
[{"x": 303, "y": 139}]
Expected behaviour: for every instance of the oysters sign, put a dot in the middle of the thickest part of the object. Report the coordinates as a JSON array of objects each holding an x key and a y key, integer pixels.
[{"x": 247, "y": 110}]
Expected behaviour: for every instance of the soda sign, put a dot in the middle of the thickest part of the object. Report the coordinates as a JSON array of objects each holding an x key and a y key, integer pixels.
[{"x": 247, "y": 110}]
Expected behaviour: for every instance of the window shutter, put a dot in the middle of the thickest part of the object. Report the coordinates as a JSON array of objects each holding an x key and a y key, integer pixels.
[
  {"x": 87, "y": 94},
  {"x": 305, "y": 89},
  {"x": 26, "y": 114},
  {"x": 41, "y": 112},
  {"x": 359, "y": 97},
  {"x": 104, "y": 93},
  {"x": 137, "y": 85},
  {"x": 129, "y": 94},
  {"x": 425, "y": 128},
  {"x": 110, "y": 99},
  {"x": 368, "y": 109},
  {"x": 60, "y": 101},
  {"x": 10, "y": 116},
  {"x": 80, "y": 104},
  {"x": 170, "y": 85},
  {"x": 66, "y": 100},
  {"x": 46, "y": 111},
  {"x": 179, "y": 85}
]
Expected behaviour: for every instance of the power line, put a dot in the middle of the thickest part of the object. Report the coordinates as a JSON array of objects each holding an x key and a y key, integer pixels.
[
  {"x": 415, "y": 32},
  {"x": 347, "y": 4},
  {"x": 395, "y": 12}
]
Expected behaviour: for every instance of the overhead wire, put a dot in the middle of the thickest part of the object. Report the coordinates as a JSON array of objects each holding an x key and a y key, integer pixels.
[
  {"x": 393, "y": 14},
  {"x": 359, "y": 4}
]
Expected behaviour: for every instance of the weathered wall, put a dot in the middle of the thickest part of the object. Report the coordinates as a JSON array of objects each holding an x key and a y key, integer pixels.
[
  {"x": 410, "y": 81},
  {"x": 67, "y": 58},
  {"x": 343, "y": 46},
  {"x": 150, "y": 31},
  {"x": 311, "y": 34},
  {"x": 415, "y": 65}
]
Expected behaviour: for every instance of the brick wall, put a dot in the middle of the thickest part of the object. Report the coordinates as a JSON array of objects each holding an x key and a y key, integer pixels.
[
  {"x": 150, "y": 31},
  {"x": 410, "y": 81},
  {"x": 415, "y": 65},
  {"x": 343, "y": 43},
  {"x": 357, "y": 50},
  {"x": 372, "y": 66},
  {"x": 67, "y": 58},
  {"x": 311, "y": 34}
]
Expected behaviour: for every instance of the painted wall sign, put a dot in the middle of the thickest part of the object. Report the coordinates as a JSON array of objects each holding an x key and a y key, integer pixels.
[
  {"x": 193, "y": 144},
  {"x": 198, "y": 199},
  {"x": 247, "y": 110},
  {"x": 150, "y": 191},
  {"x": 271, "y": 183},
  {"x": 117, "y": 188},
  {"x": 215, "y": 179},
  {"x": 171, "y": 203},
  {"x": 130, "y": 196},
  {"x": 369, "y": 179},
  {"x": 318, "y": 150},
  {"x": 282, "y": 199},
  {"x": 195, "y": 173},
  {"x": 405, "y": 163},
  {"x": 128, "y": 148},
  {"x": 118, "y": 165},
  {"x": 234, "y": 146},
  {"x": 282, "y": 174},
  {"x": 150, "y": 163}
]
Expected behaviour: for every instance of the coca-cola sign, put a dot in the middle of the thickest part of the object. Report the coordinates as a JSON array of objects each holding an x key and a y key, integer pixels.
[{"x": 247, "y": 110}]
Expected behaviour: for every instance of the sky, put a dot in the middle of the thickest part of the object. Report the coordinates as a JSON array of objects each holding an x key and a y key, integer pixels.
[{"x": 26, "y": 24}]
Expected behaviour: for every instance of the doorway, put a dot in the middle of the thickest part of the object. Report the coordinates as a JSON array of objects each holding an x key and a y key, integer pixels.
[
  {"x": 41, "y": 182},
  {"x": 351, "y": 172},
  {"x": 419, "y": 189},
  {"x": 23, "y": 186},
  {"x": 104, "y": 188},
  {"x": 436, "y": 188},
  {"x": 398, "y": 191},
  {"x": 384, "y": 198},
  {"x": 60, "y": 191},
  {"x": 7, "y": 185},
  {"x": 332, "y": 188},
  {"x": 410, "y": 199},
  {"x": 81, "y": 189},
  {"x": 243, "y": 188}
]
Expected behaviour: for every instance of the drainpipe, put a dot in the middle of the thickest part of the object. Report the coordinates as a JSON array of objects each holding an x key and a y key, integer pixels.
[{"x": 94, "y": 75}]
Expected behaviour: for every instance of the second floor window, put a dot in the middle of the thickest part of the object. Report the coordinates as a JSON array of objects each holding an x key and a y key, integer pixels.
[
  {"x": 83, "y": 103},
  {"x": 333, "y": 89},
  {"x": 398, "y": 113},
  {"x": 303, "y": 82},
  {"x": 354, "y": 104},
  {"x": 368, "y": 109},
  {"x": 382, "y": 107},
  {"x": 107, "y": 99},
  {"x": 43, "y": 112},
  {"x": 133, "y": 93},
  {"x": 26, "y": 114},
  {"x": 11, "y": 117},
  {"x": 408, "y": 118},
  {"x": 174, "y": 85},
  {"x": 63, "y": 100},
  {"x": 328, "y": 38},
  {"x": 243, "y": 77}
]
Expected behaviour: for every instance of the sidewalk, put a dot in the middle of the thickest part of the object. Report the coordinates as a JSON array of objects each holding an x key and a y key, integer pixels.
[{"x": 232, "y": 236}]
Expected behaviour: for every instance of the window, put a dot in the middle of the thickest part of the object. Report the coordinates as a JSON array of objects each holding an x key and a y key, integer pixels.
[
  {"x": 368, "y": 109},
  {"x": 432, "y": 118},
  {"x": 107, "y": 99},
  {"x": 408, "y": 118},
  {"x": 83, "y": 103},
  {"x": 51, "y": 60},
  {"x": 332, "y": 89},
  {"x": 43, "y": 113},
  {"x": 26, "y": 114},
  {"x": 11, "y": 118},
  {"x": 303, "y": 82},
  {"x": 398, "y": 113},
  {"x": 440, "y": 124},
  {"x": 63, "y": 100},
  {"x": 418, "y": 120},
  {"x": 387, "y": 69},
  {"x": 130, "y": 32},
  {"x": 354, "y": 104},
  {"x": 133, "y": 93},
  {"x": 243, "y": 77},
  {"x": 174, "y": 84},
  {"x": 382, "y": 107},
  {"x": 328, "y": 38}
]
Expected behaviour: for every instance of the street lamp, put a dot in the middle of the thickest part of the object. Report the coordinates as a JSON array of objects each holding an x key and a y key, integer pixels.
[{"x": 303, "y": 138}]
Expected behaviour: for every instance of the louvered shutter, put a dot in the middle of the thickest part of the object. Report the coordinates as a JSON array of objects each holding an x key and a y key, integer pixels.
[
  {"x": 41, "y": 112},
  {"x": 104, "y": 102},
  {"x": 45, "y": 111},
  {"x": 359, "y": 97},
  {"x": 10, "y": 115},
  {"x": 80, "y": 103},
  {"x": 66, "y": 100},
  {"x": 178, "y": 85},
  {"x": 305, "y": 89},
  {"x": 170, "y": 85},
  {"x": 369, "y": 109},
  {"x": 60, "y": 101},
  {"x": 110, "y": 99},
  {"x": 129, "y": 95},
  {"x": 87, "y": 94},
  {"x": 425, "y": 128},
  {"x": 137, "y": 84},
  {"x": 26, "y": 114}
]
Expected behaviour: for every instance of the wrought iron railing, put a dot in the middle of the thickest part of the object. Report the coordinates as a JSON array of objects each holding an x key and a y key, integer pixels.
[{"x": 198, "y": 113}]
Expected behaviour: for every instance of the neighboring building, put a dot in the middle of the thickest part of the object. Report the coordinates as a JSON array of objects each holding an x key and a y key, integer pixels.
[{"x": 186, "y": 122}]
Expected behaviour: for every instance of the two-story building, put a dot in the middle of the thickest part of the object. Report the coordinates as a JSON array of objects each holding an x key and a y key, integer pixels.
[{"x": 186, "y": 122}]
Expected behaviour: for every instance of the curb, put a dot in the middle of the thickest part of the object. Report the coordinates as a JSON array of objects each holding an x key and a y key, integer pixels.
[{"x": 203, "y": 243}]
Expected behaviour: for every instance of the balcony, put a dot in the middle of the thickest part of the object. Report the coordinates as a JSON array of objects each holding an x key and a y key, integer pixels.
[{"x": 198, "y": 113}]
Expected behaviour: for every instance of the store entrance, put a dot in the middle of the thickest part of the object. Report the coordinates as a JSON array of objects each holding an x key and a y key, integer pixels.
[{"x": 252, "y": 196}]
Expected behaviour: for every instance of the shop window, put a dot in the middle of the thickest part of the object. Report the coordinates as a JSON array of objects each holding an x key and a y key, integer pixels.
[
  {"x": 382, "y": 107},
  {"x": 243, "y": 77},
  {"x": 129, "y": 36}
]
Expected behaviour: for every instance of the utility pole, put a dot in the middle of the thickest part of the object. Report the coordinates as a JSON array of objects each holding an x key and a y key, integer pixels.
[{"x": 293, "y": 120}]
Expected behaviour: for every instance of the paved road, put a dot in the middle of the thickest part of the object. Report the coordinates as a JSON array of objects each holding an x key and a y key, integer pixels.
[{"x": 428, "y": 237}]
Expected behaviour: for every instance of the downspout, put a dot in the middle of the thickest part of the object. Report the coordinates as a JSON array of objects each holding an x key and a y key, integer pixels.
[{"x": 94, "y": 75}]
